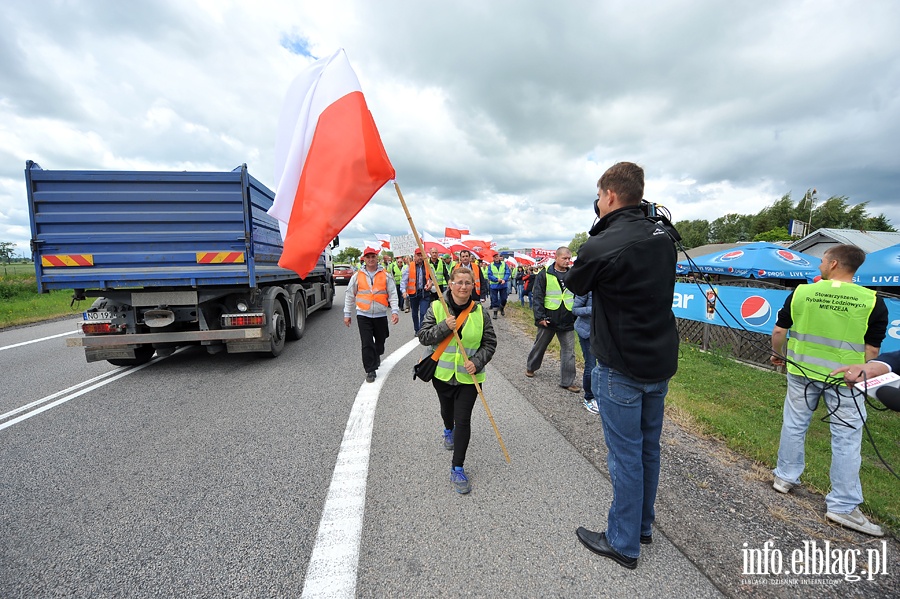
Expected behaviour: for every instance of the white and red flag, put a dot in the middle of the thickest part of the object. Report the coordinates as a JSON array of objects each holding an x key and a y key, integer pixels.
[
  {"x": 384, "y": 240},
  {"x": 524, "y": 259},
  {"x": 329, "y": 160},
  {"x": 455, "y": 230}
]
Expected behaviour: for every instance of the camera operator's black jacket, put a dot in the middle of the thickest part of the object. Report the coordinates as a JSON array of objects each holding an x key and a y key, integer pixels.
[{"x": 629, "y": 264}]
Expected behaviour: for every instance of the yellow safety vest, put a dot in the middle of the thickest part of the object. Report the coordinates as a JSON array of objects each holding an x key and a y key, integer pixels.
[
  {"x": 555, "y": 296},
  {"x": 830, "y": 319},
  {"x": 451, "y": 363}
]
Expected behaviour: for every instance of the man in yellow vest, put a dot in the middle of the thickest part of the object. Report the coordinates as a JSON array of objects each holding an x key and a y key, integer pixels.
[
  {"x": 552, "y": 304},
  {"x": 833, "y": 323},
  {"x": 374, "y": 296},
  {"x": 395, "y": 269}
]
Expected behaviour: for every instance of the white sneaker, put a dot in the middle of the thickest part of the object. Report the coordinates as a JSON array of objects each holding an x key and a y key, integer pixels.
[
  {"x": 857, "y": 521},
  {"x": 781, "y": 485},
  {"x": 591, "y": 406}
]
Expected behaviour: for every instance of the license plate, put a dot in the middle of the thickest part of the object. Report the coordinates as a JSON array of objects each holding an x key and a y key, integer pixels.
[{"x": 100, "y": 315}]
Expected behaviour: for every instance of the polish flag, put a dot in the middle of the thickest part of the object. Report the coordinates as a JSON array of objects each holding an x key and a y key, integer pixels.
[
  {"x": 455, "y": 230},
  {"x": 329, "y": 160},
  {"x": 524, "y": 259},
  {"x": 384, "y": 240}
]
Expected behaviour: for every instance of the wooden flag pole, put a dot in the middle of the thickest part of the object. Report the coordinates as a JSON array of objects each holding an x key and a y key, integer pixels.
[{"x": 447, "y": 310}]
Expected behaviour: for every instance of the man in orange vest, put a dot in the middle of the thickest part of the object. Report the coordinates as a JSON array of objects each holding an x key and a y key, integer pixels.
[
  {"x": 417, "y": 286},
  {"x": 375, "y": 295}
]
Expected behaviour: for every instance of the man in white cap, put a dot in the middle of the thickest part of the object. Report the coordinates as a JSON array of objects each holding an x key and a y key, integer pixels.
[{"x": 375, "y": 296}]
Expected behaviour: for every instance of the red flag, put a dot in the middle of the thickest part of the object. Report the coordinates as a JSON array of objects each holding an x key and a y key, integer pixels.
[
  {"x": 451, "y": 232},
  {"x": 333, "y": 163}
]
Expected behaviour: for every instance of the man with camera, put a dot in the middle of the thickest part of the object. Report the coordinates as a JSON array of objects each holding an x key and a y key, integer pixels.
[{"x": 628, "y": 262}]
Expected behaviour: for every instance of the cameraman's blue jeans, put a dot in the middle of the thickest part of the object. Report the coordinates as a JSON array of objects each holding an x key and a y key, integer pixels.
[{"x": 632, "y": 417}]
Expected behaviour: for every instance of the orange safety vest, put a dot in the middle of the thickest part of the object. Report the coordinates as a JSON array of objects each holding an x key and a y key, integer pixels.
[
  {"x": 476, "y": 274},
  {"x": 365, "y": 295},
  {"x": 411, "y": 280}
]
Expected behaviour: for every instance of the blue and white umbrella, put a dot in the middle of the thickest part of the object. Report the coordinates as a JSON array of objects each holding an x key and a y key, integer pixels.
[
  {"x": 881, "y": 268},
  {"x": 758, "y": 260}
]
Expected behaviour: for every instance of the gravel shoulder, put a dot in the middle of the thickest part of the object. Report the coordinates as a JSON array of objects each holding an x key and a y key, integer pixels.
[{"x": 714, "y": 504}]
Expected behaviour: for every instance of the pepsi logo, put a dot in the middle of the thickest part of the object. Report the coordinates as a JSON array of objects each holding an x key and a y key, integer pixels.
[
  {"x": 729, "y": 256},
  {"x": 756, "y": 311},
  {"x": 792, "y": 258}
]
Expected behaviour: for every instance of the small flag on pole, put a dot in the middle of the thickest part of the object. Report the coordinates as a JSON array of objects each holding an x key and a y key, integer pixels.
[{"x": 329, "y": 160}]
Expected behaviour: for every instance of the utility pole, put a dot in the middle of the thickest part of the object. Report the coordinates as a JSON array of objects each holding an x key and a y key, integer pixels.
[{"x": 812, "y": 204}]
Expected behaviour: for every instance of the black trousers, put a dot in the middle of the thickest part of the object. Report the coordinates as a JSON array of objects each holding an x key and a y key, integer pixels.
[
  {"x": 457, "y": 402},
  {"x": 372, "y": 334}
]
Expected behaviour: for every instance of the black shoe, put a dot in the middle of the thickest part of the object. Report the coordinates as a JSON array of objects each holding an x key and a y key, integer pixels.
[
  {"x": 596, "y": 542},
  {"x": 495, "y": 315},
  {"x": 646, "y": 539},
  {"x": 370, "y": 377},
  {"x": 502, "y": 312}
]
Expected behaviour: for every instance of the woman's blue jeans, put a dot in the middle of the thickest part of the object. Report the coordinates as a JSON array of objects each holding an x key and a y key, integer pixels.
[{"x": 632, "y": 417}]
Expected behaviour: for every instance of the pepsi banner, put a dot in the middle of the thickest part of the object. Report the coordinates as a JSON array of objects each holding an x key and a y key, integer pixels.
[{"x": 753, "y": 309}]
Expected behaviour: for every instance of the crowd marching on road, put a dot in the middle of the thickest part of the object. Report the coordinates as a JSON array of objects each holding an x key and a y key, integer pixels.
[{"x": 628, "y": 337}]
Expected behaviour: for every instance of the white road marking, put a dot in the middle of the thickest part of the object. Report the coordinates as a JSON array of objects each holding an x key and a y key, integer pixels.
[
  {"x": 71, "y": 393},
  {"x": 38, "y": 340},
  {"x": 335, "y": 556}
]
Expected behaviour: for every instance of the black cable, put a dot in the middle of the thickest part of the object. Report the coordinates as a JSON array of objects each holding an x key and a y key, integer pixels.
[{"x": 827, "y": 384}]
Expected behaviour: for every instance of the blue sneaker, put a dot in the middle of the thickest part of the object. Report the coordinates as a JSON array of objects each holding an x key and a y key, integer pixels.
[
  {"x": 591, "y": 406},
  {"x": 448, "y": 440},
  {"x": 460, "y": 481}
]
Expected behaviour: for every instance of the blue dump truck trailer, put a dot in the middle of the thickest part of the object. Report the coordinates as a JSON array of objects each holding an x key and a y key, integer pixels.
[{"x": 172, "y": 258}]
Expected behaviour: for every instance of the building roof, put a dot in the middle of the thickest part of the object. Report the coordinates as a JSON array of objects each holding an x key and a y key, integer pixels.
[{"x": 820, "y": 240}]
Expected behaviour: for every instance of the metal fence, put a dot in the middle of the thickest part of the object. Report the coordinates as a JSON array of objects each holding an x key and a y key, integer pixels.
[{"x": 741, "y": 345}]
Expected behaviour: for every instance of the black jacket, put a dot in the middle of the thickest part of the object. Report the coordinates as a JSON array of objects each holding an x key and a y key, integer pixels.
[
  {"x": 628, "y": 262},
  {"x": 560, "y": 319}
]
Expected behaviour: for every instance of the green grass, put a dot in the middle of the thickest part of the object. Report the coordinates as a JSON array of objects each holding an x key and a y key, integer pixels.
[
  {"x": 20, "y": 303},
  {"x": 742, "y": 406}
]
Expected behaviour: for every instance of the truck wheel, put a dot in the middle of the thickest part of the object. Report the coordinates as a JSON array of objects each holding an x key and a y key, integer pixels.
[
  {"x": 296, "y": 332},
  {"x": 142, "y": 355},
  {"x": 279, "y": 329},
  {"x": 329, "y": 296}
]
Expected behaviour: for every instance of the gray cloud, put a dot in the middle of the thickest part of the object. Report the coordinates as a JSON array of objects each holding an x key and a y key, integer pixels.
[{"x": 500, "y": 114}]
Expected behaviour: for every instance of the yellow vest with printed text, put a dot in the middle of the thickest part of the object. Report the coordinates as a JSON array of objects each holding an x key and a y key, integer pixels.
[{"x": 830, "y": 319}]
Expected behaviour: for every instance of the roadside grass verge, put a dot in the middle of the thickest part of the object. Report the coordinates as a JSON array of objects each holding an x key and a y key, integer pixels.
[
  {"x": 20, "y": 303},
  {"x": 741, "y": 406}
]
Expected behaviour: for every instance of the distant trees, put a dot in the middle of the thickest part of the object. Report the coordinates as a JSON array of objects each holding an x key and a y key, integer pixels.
[
  {"x": 771, "y": 223},
  {"x": 577, "y": 242},
  {"x": 7, "y": 251},
  {"x": 348, "y": 255}
]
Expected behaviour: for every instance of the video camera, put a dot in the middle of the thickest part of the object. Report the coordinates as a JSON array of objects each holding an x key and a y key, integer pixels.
[{"x": 661, "y": 216}]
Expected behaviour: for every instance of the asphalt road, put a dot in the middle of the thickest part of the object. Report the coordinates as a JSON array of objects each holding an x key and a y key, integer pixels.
[{"x": 207, "y": 475}]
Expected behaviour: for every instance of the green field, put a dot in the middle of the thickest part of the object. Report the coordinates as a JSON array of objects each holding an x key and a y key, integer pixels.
[
  {"x": 20, "y": 303},
  {"x": 741, "y": 405}
]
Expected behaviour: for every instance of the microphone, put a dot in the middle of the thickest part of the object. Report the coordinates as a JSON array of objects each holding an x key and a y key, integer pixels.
[{"x": 889, "y": 396}]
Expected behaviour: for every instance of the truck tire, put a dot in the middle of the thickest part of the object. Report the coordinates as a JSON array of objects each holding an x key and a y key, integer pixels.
[
  {"x": 279, "y": 329},
  {"x": 142, "y": 355},
  {"x": 329, "y": 296},
  {"x": 296, "y": 331}
]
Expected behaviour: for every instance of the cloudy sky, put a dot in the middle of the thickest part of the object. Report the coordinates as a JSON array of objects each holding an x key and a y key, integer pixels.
[{"x": 498, "y": 114}]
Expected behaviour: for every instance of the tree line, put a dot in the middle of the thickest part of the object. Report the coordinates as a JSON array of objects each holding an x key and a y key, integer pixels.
[{"x": 771, "y": 223}]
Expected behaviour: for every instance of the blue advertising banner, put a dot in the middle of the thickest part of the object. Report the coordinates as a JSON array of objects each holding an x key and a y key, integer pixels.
[{"x": 753, "y": 309}]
